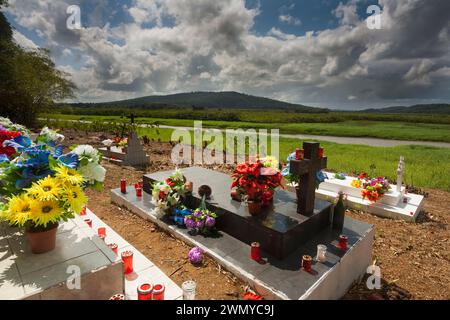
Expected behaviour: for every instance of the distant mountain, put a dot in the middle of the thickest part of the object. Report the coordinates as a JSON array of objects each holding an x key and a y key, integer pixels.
[
  {"x": 225, "y": 100},
  {"x": 420, "y": 108}
]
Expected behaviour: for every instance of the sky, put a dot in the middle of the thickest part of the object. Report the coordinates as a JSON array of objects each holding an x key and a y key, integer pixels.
[{"x": 313, "y": 52}]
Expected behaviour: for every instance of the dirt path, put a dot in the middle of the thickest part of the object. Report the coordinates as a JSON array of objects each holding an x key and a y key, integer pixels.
[{"x": 414, "y": 257}]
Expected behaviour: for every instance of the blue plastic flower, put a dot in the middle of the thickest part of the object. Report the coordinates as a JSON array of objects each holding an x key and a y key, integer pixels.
[
  {"x": 69, "y": 160},
  {"x": 28, "y": 176},
  {"x": 320, "y": 176},
  {"x": 3, "y": 158},
  {"x": 19, "y": 143},
  {"x": 286, "y": 171}
]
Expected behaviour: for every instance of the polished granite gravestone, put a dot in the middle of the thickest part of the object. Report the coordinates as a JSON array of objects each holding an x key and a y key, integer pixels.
[
  {"x": 279, "y": 229},
  {"x": 275, "y": 279}
]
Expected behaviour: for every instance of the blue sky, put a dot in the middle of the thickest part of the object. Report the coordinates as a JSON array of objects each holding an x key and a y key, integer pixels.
[{"x": 315, "y": 52}]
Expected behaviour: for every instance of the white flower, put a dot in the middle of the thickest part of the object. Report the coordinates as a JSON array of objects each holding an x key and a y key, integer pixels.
[
  {"x": 51, "y": 134},
  {"x": 93, "y": 172},
  {"x": 87, "y": 151}
]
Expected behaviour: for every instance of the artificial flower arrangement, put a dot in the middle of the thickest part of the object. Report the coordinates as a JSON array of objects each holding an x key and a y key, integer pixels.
[
  {"x": 255, "y": 182},
  {"x": 43, "y": 186},
  {"x": 168, "y": 194},
  {"x": 202, "y": 220},
  {"x": 373, "y": 189}
]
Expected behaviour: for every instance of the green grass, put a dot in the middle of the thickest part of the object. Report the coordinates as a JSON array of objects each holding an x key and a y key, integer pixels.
[
  {"x": 352, "y": 128},
  {"x": 425, "y": 166}
]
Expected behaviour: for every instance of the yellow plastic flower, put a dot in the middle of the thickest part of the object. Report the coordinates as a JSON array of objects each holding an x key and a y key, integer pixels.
[
  {"x": 46, "y": 189},
  {"x": 45, "y": 212},
  {"x": 75, "y": 198},
  {"x": 271, "y": 162},
  {"x": 356, "y": 183},
  {"x": 19, "y": 210},
  {"x": 69, "y": 176}
]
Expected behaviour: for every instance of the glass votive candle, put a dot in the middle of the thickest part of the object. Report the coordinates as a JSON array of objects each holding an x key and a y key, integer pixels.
[
  {"x": 89, "y": 222},
  {"x": 158, "y": 292},
  {"x": 127, "y": 259},
  {"x": 123, "y": 186},
  {"x": 139, "y": 192},
  {"x": 145, "y": 291},
  {"x": 343, "y": 242},
  {"x": 83, "y": 211},
  {"x": 101, "y": 231},
  {"x": 307, "y": 263},
  {"x": 119, "y": 296},
  {"x": 189, "y": 288},
  {"x": 321, "y": 152},
  {"x": 321, "y": 253},
  {"x": 255, "y": 251},
  {"x": 114, "y": 247}
]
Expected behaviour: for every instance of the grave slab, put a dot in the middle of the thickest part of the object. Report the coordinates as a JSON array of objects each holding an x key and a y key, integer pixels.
[
  {"x": 277, "y": 279},
  {"x": 279, "y": 228},
  {"x": 392, "y": 205},
  {"x": 24, "y": 275},
  {"x": 132, "y": 155}
]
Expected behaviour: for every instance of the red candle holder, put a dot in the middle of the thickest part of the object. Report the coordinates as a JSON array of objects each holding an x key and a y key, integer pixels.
[
  {"x": 127, "y": 259},
  {"x": 158, "y": 292},
  {"x": 119, "y": 296},
  {"x": 256, "y": 251},
  {"x": 101, "y": 231},
  {"x": 123, "y": 186},
  {"x": 321, "y": 152},
  {"x": 114, "y": 247},
  {"x": 307, "y": 263},
  {"x": 89, "y": 222},
  {"x": 83, "y": 211},
  {"x": 139, "y": 192},
  {"x": 301, "y": 154},
  {"x": 145, "y": 291},
  {"x": 297, "y": 154},
  {"x": 343, "y": 242}
]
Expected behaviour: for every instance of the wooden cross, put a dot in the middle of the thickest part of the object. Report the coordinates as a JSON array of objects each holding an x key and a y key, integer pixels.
[
  {"x": 306, "y": 169},
  {"x": 131, "y": 117}
]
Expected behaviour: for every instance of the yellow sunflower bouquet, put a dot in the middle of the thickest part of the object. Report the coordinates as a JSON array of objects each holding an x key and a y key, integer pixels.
[{"x": 47, "y": 201}]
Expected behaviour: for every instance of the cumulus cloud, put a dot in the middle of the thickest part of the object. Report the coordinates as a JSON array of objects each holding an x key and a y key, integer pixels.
[{"x": 171, "y": 46}]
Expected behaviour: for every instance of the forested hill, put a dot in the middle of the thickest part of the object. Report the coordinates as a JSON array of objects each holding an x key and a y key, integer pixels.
[{"x": 217, "y": 100}]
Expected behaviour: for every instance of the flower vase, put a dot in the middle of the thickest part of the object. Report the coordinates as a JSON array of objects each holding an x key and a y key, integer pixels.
[
  {"x": 42, "y": 239},
  {"x": 254, "y": 207}
]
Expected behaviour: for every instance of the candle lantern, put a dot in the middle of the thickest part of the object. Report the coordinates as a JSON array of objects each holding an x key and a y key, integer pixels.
[
  {"x": 145, "y": 291},
  {"x": 256, "y": 251},
  {"x": 321, "y": 253},
  {"x": 127, "y": 259},
  {"x": 89, "y": 222},
  {"x": 119, "y": 296},
  {"x": 123, "y": 186},
  {"x": 101, "y": 231},
  {"x": 189, "y": 288},
  {"x": 158, "y": 292},
  {"x": 297, "y": 154},
  {"x": 321, "y": 152},
  {"x": 343, "y": 242},
  {"x": 307, "y": 263},
  {"x": 114, "y": 247}
]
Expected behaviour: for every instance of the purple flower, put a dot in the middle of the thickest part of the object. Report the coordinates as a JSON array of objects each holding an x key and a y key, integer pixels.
[
  {"x": 195, "y": 255},
  {"x": 198, "y": 214},
  {"x": 189, "y": 222},
  {"x": 210, "y": 222},
  {"x": 200, "y": 224}
]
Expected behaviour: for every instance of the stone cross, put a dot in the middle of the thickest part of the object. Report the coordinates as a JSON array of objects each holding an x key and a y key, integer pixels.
[
  {"x": 400, "y": 171},
  {"x": 306, "y": 169}
]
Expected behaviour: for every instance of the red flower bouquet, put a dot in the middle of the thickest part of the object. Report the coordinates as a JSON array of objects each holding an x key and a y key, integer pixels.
[
  {"x": 8, "y": 135},
  {"x": 254, "y": 182}
]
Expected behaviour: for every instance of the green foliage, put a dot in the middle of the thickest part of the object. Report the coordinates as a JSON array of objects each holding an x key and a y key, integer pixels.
[{"x": 29, "y": 81}]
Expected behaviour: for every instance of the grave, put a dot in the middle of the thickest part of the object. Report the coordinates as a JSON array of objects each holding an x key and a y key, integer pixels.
[
  {"x": 133, "y": 155},
  {"x": 286, "y": 232},
  {"x": 24, "y": 275},
  {"x": 395, "y": 204}
]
